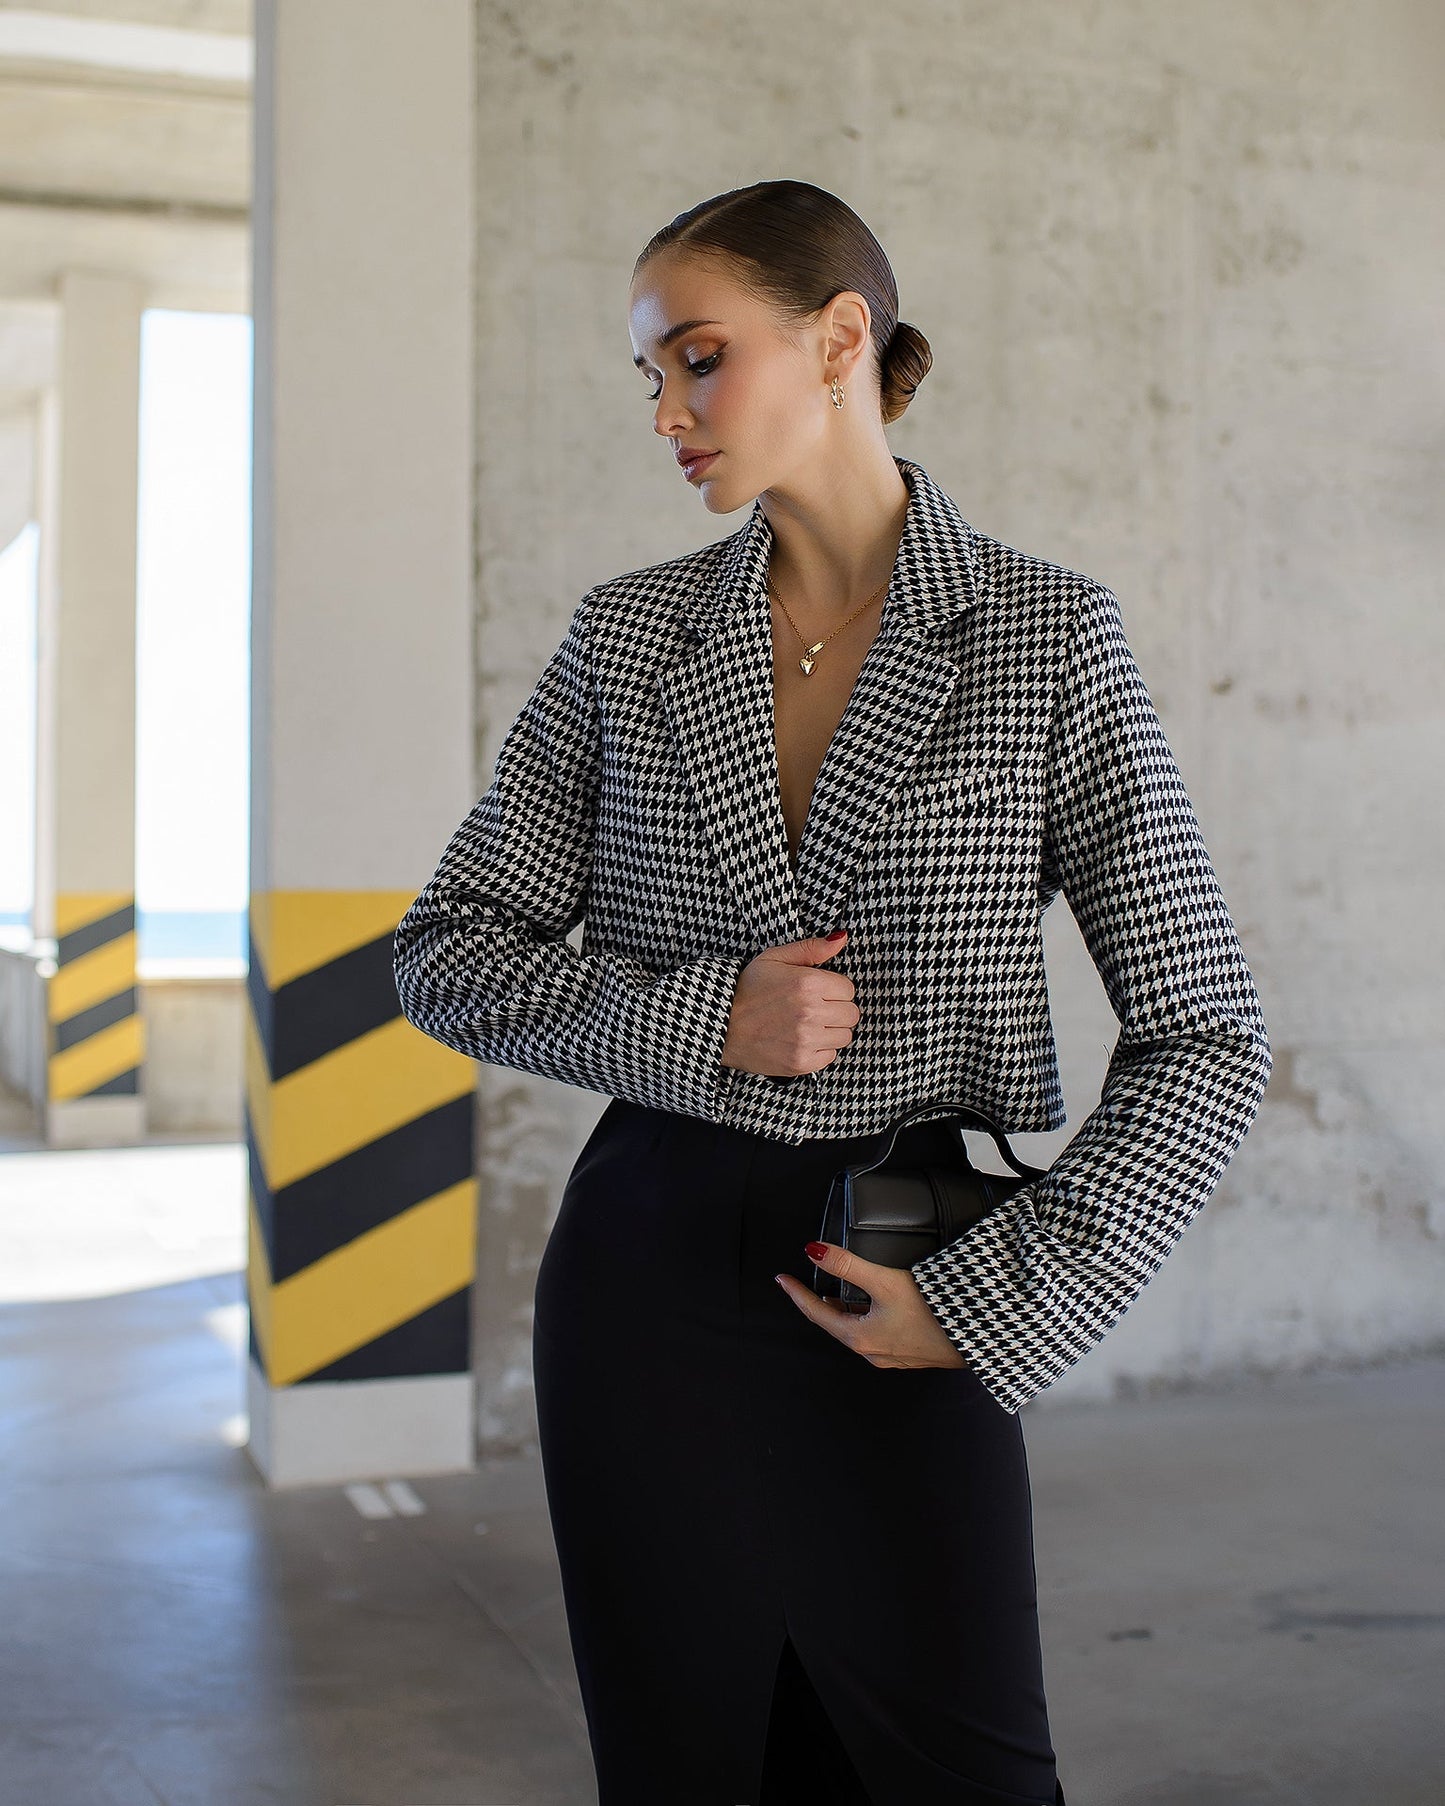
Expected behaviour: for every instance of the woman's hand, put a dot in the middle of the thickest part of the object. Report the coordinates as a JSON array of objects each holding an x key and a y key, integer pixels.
[
  {"x": 789, "y": 1017},
  {"x": 897, "y": 1330}
]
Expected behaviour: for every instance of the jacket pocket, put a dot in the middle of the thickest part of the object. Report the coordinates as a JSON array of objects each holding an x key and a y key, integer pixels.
[{"x": 996, "y": 783}]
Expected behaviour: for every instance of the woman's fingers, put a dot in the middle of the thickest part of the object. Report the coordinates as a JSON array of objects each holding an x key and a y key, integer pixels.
[
  {"x": 897, "y": 1330},
  {"x": 828, "y": 1313}
]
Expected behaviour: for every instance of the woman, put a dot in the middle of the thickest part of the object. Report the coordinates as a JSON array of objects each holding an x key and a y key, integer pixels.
[{"x": 812, "y": 788}]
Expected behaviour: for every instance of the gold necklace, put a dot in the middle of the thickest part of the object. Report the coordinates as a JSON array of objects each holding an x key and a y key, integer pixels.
[{"x": 809, "y": 658}]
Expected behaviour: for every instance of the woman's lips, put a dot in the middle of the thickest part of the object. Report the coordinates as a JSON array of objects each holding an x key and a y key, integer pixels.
[{"x": 695, "y": 465}]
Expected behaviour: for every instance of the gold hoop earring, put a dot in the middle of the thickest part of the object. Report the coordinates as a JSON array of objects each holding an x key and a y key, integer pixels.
[{"x": 836, "y": 393}]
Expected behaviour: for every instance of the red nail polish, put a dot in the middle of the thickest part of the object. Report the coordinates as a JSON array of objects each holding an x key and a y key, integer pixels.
[
  {"x": 836, "y": 935},
  {"x": 815, "y": 1250}
]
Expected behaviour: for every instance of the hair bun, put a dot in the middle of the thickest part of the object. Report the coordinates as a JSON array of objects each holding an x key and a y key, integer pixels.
[{"x": 906, "y": 362}]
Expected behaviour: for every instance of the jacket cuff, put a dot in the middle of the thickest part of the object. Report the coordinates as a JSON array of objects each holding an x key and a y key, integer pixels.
[
  {"x": 1015, "y": 1353},
  {"x": 691, "y": 1034}
]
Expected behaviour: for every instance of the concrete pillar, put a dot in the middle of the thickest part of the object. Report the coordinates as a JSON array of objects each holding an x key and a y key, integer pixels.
[
  {"x": 85, "y": 716},
  {"x": 360, "y": 1129}
]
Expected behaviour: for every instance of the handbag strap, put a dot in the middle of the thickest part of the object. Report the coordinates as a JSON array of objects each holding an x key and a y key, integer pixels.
[{"x": 980, "y": 1120}]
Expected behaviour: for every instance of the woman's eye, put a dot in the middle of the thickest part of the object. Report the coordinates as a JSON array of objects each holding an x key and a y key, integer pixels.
[{"x": 700, "y": 368}]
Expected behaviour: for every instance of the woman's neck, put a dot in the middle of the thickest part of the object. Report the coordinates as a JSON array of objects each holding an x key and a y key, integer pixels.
[{"x": 835, "y": 534}]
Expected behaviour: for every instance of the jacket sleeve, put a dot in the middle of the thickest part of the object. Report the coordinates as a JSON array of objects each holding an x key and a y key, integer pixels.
[
  {"x": 481, "y": 958},
  {"x": 1036, "y": 1283}
]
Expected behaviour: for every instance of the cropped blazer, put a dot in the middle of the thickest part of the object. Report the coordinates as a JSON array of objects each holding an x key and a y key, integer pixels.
[{"x": 999, "y": 746}]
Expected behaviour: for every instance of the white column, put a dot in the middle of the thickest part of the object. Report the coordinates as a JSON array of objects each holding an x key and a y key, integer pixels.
[
  {"x": 85, "y": 715},
  {"x": 360, "y": 1129}
]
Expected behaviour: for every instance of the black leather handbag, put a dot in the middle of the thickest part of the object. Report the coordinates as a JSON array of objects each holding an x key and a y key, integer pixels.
[{"x": 921, "y": 1192}]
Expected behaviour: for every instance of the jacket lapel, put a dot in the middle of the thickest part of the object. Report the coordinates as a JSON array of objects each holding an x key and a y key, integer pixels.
[
  {"x": 720, "y": 704},
  {"x": 719, "y": 701}
]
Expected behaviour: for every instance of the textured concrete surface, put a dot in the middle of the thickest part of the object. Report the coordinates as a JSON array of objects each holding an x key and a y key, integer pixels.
[{"x": 1241, "y": 1592}]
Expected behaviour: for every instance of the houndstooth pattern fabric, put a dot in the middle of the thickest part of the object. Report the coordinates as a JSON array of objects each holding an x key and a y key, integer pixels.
[{"x": 999, "y": 746}]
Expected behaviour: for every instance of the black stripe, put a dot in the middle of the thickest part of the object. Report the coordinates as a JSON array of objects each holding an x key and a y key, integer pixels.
[
  {"x": 124, "y": 1084},
  {"x": 95, "y": 934},
  {"x": 370, "y": 1186},
  {"x": 317, "y": 1012},
  {"x": 260, "y": 1190},
  {"x": 259, "y": 993},
  {"x": 438, "y": 1340},
  {"x": 85, "y": 1023}
]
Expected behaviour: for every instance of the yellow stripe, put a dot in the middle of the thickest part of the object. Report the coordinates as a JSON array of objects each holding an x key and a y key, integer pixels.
[
  {"x": 258, "y": 1280},
  {"x": 354, "y": 1095},
  {"x": 98, "y": 1058},
  {"x": 93, "y": 977},
  {"x": 385, "y": 1277},
  {"x": 295, "y": 931},
  {"x": 76, "y": 908}
]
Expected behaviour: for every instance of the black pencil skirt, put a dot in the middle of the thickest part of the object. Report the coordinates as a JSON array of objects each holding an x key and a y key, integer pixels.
[{"x": 791, "y": 1578}]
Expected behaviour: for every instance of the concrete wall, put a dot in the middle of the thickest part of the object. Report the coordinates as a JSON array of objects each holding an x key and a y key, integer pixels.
[
  {"x": 1182, "y": 274},
  {"x": 195, "y": 1050},
  {"x": 23, "y": 1047}
]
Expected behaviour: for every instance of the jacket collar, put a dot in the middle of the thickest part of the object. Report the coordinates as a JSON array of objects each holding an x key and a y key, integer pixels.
[
  {"x": 719, "y": 703},
  {"x": 935, "y": 574}
]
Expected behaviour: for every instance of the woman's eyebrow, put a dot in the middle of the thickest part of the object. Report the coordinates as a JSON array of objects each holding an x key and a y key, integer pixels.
[{"x": 674, "y": 332}]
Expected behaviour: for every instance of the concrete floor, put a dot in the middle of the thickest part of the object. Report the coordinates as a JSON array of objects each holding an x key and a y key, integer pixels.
[{"x": 1242, "y": 1594}]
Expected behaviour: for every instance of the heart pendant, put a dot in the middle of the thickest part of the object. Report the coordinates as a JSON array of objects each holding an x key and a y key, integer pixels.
[{"x": 807, "y": 664}]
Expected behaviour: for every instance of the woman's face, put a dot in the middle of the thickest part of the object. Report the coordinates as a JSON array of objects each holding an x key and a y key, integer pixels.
[{"x": 737, "y": 383}]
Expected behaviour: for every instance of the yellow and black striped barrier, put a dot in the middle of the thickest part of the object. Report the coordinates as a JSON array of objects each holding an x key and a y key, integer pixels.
[
  {"x": 360, "y": 1143},
  {"x": 97, "y": 1037}
]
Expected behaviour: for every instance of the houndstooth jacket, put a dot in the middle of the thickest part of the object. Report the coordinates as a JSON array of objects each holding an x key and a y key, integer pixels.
[{"x": 999, "y": 746}]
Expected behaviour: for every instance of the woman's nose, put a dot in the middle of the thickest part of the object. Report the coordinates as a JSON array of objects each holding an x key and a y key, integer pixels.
[{"x": 670, "y": 420}]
